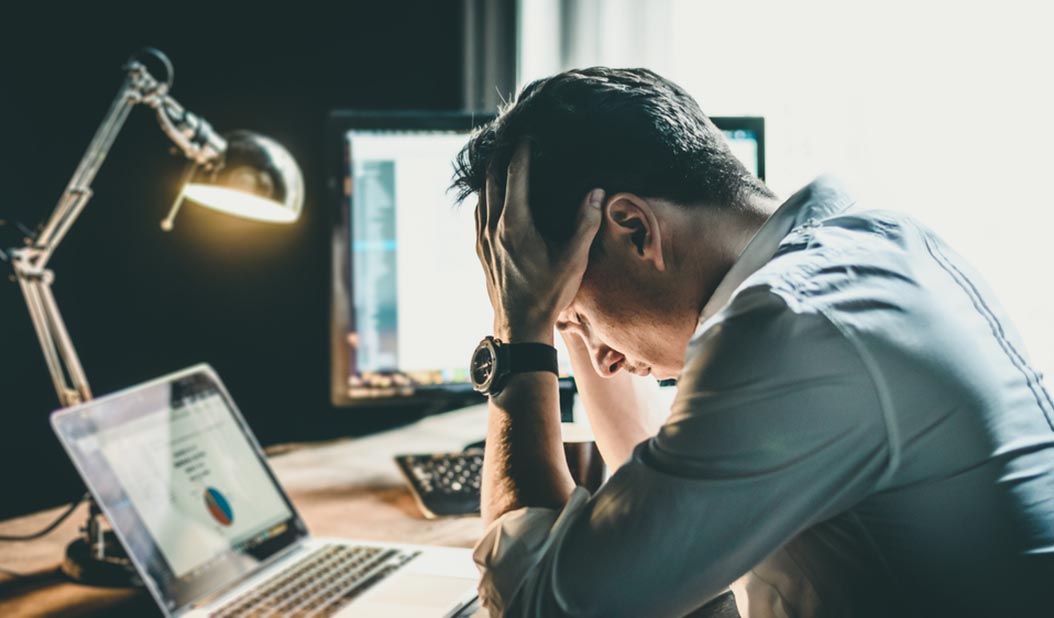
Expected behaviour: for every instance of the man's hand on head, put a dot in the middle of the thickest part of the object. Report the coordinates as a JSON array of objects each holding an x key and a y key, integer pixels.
[{"x": 529, "y": 281}]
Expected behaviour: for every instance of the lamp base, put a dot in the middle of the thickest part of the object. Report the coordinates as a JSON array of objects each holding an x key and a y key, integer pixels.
[{"x": 113, "y": 570}]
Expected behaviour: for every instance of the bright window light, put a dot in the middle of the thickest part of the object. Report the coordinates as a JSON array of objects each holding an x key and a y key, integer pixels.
[{"x": 939, "y": 109}]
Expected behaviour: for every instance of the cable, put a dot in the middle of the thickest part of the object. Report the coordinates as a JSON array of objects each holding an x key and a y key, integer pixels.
[
  {"x": 36, "y": 535},
  {"x": 55, "y": 524}
]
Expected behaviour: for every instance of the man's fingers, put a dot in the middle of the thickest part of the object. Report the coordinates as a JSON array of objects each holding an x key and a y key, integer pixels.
[
  {"x": 481, "y": 208},
  {"x": 515, "y": 210},
  {"x": 494, "y": 207},
  {"x": 589, "y": 217}
]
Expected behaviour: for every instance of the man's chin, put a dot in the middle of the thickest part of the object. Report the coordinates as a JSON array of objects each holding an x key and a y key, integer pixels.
[{"x": 663, "y": 375}]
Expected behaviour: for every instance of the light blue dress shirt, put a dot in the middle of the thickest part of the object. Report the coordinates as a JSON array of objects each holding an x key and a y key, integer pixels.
[{"x": 857, "y": 432}]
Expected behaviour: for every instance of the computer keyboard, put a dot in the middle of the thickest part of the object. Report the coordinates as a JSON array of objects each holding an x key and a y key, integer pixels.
[
  {"x": 444, "y": 484},
  {"x": 319, "y": 584}
]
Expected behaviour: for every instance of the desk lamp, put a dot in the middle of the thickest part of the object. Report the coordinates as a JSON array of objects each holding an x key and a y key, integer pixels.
[{"x": 240, "y": 173}]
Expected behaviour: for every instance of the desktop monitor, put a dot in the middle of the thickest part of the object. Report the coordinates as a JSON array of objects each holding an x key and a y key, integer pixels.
[
  {"x": 746, "y": 137},
  {"x": 409, "y": 301}
]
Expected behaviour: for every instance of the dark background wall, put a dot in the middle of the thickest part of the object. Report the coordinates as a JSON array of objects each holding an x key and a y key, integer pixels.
[{"x": 249, "y": 298}]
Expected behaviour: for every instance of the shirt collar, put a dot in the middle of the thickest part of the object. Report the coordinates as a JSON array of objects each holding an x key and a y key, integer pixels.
[{"x": 821, "y": 198}]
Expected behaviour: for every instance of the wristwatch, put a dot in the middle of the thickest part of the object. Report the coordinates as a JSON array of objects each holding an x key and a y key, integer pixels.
[{"x": 494, "y": 361}]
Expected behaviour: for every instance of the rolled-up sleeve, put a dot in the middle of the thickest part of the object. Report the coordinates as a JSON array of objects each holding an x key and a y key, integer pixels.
[
  {"x": 776, "y": 427},
  {"x": 515, "y": 543}
]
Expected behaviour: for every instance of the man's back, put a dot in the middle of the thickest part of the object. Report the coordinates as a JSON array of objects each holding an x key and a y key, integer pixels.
[
  {"x": 855, "y": 429},
  {"x": 961, "y": 519}
]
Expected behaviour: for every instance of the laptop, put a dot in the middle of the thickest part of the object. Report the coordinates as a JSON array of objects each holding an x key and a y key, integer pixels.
[{"x": 210, "y": 531}]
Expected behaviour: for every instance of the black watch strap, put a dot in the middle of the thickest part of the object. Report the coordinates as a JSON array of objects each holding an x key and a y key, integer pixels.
[{"x": 526, "y": 357}]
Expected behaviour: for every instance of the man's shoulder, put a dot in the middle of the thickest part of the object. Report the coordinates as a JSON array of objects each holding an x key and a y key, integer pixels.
[
  {"x": 838, "y": 275},
  {"x": 853, "y": 256}
]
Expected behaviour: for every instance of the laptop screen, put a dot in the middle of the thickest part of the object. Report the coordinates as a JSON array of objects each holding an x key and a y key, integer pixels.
[{"x": 183, "y": 483}]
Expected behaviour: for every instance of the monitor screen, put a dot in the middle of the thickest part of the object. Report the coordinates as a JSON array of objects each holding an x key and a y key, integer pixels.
[
  {"x": 409, "y": 297},
  {"x": 745, "y": 146},
  {"x": 746, "y": 137},
  {"x": 418, "y": 295}
]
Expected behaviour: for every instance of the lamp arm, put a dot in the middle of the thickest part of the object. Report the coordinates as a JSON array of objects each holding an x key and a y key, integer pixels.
[
  {"x": 59, "y": 353},
  {"x": 78, "y": 191},
  {"x": 198, "y": 142},
  {"x": 191, "y": 133}
]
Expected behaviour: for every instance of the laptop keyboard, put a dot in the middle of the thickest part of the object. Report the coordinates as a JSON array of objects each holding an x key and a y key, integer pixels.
[{"x": 319, "y": 584}]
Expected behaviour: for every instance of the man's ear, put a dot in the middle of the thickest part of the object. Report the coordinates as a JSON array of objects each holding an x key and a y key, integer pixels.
[{"x": 631, "y": 222}]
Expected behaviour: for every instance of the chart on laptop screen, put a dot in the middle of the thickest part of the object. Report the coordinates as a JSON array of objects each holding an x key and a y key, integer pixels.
[{"x": 194, "y": 479}]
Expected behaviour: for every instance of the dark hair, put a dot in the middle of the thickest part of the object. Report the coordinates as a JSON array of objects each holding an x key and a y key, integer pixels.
[{"x": 617, "y": 129}]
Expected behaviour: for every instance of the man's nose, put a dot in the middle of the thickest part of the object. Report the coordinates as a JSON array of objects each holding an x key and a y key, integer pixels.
[{"x": 606, "y": 361}]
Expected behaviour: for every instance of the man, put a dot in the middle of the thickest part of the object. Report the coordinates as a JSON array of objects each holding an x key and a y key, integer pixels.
[{"x": 857, "y": 431}]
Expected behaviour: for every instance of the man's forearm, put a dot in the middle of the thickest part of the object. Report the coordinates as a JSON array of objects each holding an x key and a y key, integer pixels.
[
  {"x": 529, "y": 283},
  {"x": 621, "y": 409},
  {"x": 524, "y": 463}
]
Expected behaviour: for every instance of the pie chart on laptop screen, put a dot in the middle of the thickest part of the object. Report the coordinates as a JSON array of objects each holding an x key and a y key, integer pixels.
[{"x": 218, "y": 506}]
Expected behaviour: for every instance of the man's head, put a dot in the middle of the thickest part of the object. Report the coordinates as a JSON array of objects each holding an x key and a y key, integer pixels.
[{"x": 664, "y": 167}]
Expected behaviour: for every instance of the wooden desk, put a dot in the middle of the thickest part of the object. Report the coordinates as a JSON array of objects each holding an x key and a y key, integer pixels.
[{"x": 347, "y": 488}]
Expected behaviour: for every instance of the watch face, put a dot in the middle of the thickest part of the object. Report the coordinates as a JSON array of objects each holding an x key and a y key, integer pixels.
[{"x": 483, "y": 364}]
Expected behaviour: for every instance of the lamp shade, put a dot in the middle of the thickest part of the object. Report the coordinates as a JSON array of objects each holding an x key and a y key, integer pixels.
[{"x": 256, "y": 179}]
